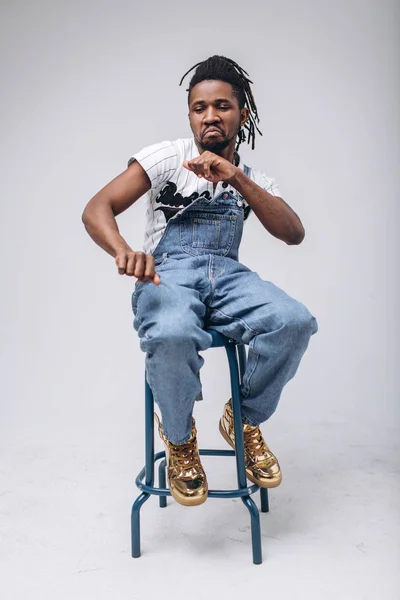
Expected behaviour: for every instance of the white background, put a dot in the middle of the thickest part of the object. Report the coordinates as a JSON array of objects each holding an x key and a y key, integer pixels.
[{"x": 85, "y": 85}]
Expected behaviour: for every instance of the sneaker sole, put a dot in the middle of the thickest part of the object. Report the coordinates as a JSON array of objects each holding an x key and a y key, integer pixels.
[
  {"x": 189, "y": 501},
  {"x": 249, "y": 475}
]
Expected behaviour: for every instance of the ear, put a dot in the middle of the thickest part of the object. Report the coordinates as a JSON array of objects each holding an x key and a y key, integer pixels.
[{"x": 244, "y": 115}]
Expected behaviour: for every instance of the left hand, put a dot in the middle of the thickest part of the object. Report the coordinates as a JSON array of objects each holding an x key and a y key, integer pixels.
[{"x": 212, "y": 167}]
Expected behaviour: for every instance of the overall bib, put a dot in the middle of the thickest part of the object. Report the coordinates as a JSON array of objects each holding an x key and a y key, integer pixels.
[{"x": 203, "y": 285}]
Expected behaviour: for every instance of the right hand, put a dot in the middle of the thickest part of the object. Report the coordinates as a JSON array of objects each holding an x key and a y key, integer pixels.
[{"x": 137, "y": 264}]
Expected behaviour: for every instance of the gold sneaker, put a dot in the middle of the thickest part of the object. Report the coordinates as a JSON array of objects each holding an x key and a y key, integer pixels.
[
  {"x": 186, "y": 477},
  {"x": 262, "y": 466}
]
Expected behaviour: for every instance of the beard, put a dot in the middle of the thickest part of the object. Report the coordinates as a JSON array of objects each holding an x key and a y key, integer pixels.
[{"x": 215, "y": 146}]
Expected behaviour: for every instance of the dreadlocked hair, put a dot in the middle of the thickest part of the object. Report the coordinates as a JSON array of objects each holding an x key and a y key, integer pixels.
[{"x": 225, "y": 69}]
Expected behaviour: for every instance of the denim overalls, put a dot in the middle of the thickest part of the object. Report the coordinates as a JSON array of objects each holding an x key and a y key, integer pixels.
[{"x": 203, "y": 285}]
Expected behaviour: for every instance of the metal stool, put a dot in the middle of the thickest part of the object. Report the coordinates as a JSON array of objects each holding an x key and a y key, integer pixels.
[{"x": 243, "y": 491}]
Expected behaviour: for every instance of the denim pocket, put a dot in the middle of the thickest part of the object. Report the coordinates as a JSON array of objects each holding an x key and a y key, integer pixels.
[{"x": 207, "y": 233}]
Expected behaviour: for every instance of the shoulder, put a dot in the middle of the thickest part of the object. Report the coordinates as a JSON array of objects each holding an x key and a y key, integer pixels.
[
  {"x": 163, "y": 161},
  {"x": 153, "y": 153},
  {"x": 167, "y": 150}
]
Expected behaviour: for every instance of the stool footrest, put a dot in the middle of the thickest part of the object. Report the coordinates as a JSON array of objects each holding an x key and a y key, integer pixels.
[{"x": 157, "y": 491}]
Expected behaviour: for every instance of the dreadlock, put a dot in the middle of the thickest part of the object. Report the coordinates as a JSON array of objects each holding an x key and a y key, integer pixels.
[{"x": 225, "y": 69}]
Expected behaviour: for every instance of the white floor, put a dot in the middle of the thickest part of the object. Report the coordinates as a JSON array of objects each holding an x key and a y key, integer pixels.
[{"x": 66, "y": 493}]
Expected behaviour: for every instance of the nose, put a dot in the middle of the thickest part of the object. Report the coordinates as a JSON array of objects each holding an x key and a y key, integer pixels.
[{"x": 210, "y": 116}]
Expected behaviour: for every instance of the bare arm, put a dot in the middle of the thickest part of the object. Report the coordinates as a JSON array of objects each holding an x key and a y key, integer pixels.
[
  {"x": 99, "y": 220},
  {"x": 276, "y": 216},
  {"x": 274, "y": 213}
]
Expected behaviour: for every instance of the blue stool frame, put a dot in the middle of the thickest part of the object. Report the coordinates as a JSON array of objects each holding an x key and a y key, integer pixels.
[{"x": 234, "y": 352}]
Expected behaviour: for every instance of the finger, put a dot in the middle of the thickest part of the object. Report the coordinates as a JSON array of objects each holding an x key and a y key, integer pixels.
[
  {"x": 139, "y": 265},
  {"x": 156, "y": 279},
  {"x": 149, "y": 271},
  {"x": 197, "y": 165},
  {"x": 120, "y": 261},
  {"x": 207, "y": 169},
  {"x": 198, "y": 169},
  {"x": 188, "y": 164},
  {"x": 130, "y": 265}
]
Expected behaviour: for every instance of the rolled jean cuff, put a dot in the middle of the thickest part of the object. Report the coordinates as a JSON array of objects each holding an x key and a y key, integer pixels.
[
  {"x": 246, "y": 421},
  {"x": 180, "y": 443}
]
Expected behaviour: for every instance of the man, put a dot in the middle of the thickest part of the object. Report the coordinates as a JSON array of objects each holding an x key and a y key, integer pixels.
[{"x": 189, "y": 278}]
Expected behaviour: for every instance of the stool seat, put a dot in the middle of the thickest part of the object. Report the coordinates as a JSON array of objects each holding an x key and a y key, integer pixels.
[{"x": 236, "y": 355}]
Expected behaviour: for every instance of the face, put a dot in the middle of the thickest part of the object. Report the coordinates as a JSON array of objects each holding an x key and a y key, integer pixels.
[{"x": 214, "y": 115}]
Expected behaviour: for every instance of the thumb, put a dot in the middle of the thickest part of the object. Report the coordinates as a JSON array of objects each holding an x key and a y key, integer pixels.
[{"x": 156, "y": 279}]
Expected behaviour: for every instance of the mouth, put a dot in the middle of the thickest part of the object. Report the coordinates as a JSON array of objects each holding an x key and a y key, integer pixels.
[{"x": 212, "y": 131}]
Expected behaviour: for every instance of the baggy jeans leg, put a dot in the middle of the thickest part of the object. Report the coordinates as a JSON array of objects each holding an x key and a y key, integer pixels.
[
  {"x": 276, "y": 327},
  {"x": 169, "y": 319}
]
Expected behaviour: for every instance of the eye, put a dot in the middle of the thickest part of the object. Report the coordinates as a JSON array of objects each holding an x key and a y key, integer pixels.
[
  {"x": 198, "y": 109},
  {"x": 224, "y": 107}
]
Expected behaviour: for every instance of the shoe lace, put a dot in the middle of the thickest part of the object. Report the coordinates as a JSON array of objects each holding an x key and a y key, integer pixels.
[
  {"x": 257, "y": 448},
  {"x": 186, "y": 455}
]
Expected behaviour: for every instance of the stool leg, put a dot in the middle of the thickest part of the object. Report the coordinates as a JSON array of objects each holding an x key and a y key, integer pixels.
[
  {"x": 237, "y": 416},
  {"x": 162, "y": 480},
  {"x": 241, "y": 350},
  {"x": 149, "y": 432},
  {"x": 149, "y": 470},
  {"x": 239, "y": 452},
  {"x": 135, "y": 523},
  {"x": 264, "y": 500},
  {"x": 255, "y": 529}
]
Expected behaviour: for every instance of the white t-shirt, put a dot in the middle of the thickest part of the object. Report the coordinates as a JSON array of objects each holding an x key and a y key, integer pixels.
[{"x": 173, "y": 187}]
